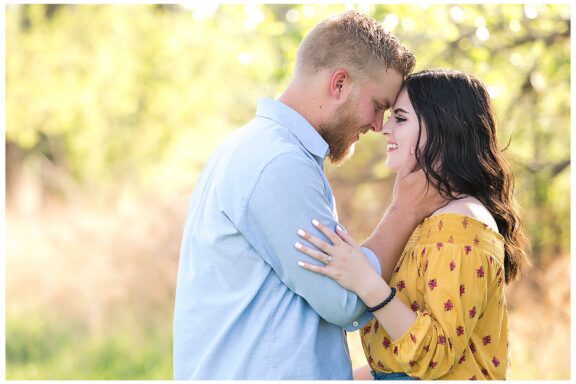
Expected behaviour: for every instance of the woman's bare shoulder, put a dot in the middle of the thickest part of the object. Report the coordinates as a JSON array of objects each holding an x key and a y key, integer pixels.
[{"x": 470, "y": 206}]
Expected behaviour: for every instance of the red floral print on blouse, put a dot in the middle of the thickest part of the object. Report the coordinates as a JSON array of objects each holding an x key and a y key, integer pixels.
[
  {"x": 495, "y": 361},
  {"x": 400, "y": 285},
  {"x": 480, "y": 272},
  {"x": 386, "y": 343}
]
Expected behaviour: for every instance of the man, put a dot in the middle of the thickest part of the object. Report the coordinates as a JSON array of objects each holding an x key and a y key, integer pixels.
[{"x": 244, "y": 309}]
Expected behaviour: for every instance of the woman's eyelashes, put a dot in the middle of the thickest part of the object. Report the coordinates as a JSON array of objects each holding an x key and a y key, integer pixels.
[{"x": 399, "y": 119}]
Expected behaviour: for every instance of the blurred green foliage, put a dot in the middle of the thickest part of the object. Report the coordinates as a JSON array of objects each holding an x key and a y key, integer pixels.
[
  {"x": 108, "y": 96},
  {"x": 38, "y": 348}
]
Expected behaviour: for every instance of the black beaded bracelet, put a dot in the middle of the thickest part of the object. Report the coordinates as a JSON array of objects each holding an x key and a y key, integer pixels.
[{"x": 383, "y": 304}]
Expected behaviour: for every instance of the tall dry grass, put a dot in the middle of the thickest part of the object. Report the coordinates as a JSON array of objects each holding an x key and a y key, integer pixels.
[{"x": 90, "y": 294}]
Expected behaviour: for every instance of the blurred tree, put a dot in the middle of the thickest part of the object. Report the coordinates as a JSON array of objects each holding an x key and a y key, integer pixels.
[
  {"x": 143, "y": 94},
  {"x": 102, "y": 98}
]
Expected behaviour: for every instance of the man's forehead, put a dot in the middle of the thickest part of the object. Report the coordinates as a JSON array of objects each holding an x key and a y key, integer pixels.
[
  {"x": 388, "y": 95},
  {"x": 390, "y": 84}
]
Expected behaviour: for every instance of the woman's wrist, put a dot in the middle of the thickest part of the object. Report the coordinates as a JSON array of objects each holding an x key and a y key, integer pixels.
[
  {"x": 374, "y": 291},
  {"x": 405, "y": 214}
]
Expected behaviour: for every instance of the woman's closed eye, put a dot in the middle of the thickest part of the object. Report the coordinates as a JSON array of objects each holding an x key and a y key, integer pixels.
[{"x": 399, "y": 119}]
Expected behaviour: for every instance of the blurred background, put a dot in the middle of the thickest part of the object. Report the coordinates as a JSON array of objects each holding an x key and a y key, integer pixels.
[{"x": 112, "y": 111}]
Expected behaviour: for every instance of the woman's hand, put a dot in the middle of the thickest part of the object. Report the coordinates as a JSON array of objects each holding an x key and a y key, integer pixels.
[
  {"x": 414, "y": 196},
  {"x": 344, "y": 260}
]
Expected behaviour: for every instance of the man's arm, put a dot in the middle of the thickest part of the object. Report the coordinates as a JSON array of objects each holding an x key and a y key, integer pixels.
[
  {"x": 389, "y": 238},
  {"x": 413, "y": 201},
  {"x": 289, "y": 193}
]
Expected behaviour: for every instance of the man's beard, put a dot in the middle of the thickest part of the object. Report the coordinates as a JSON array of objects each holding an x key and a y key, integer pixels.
[{"x": 340, "y": 134}]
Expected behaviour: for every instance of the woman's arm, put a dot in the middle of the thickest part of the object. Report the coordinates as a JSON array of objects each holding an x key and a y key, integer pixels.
[
  {"x": 362, "y": 373},
  {"x": 433, "y": 339},
  {"x": 351, "y": 269}
]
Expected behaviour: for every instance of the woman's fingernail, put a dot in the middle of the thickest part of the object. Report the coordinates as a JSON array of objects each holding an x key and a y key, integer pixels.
[
  {"x": 300, "y": 263},
  {"x": 315, "y": 222},
  {"x": 340, "y": 229},
  {"x": 298, "y": 245},
  {"x": 301, "y": 232}
]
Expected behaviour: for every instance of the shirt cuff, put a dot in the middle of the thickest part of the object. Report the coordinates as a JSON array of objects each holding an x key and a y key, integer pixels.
[
  {"x": 365, "y": 316},
  {"x": 373, "y": 259}
]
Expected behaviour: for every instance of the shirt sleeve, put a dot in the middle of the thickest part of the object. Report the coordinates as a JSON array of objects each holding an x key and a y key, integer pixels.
[
  {"x": 455, "y": 295},
  {"x": 289, "y": 193}
]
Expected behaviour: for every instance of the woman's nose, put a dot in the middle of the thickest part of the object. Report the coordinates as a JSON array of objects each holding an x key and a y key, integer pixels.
[{"x": 387, "y": 128}]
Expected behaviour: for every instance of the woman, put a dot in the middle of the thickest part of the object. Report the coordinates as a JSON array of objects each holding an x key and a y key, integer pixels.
[{"x": 443, "y": 314}]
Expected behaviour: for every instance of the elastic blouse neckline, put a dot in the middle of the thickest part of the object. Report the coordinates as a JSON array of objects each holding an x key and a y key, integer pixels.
[
  {"x": 431, "y": 219},
  {"x": 456, "y": 228}
]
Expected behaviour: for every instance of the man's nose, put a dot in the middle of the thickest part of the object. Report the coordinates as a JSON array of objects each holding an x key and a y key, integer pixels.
[{"x": 377, "y": 124}]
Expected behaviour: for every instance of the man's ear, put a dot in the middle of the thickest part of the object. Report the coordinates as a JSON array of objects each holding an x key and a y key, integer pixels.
[{"x": 339, "y": 83}]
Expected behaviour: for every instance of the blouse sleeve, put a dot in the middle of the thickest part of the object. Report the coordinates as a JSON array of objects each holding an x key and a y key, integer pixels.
[{"x": 454, "y": 297}]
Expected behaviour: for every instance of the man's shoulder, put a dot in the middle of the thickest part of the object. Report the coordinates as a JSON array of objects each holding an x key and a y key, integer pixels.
[{"x": 263, "y": 141}]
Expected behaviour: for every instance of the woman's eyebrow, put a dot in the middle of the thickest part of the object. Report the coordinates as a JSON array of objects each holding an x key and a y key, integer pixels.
[{"x": 400, "y": 110}]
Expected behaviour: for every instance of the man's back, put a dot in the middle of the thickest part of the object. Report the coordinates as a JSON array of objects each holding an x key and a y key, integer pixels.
[{"x": 244, "y": 310}]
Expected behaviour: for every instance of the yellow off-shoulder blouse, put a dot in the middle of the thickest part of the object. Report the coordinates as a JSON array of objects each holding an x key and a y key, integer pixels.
[{"x": 451, "y": 274}]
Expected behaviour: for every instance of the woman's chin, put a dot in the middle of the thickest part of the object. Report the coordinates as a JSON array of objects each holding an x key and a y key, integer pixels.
[{"x": 392, "y": 167}]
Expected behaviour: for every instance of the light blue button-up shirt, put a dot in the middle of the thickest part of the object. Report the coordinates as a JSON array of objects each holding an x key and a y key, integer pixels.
[{"x": 244, "y": 308}]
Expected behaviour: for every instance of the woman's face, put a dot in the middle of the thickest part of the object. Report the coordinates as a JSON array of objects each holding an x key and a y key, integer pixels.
[{"x": 401, "y": 131}]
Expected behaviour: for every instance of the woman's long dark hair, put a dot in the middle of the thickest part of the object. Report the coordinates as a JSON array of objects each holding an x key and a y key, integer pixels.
[{"x": 461, "y": 154}]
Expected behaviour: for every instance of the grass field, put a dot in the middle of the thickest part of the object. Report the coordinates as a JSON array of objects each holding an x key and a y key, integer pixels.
[{"x": 90, "y": 293}]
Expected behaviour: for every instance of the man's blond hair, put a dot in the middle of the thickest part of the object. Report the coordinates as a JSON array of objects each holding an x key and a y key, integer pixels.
[{"x": 355, "y": 42}]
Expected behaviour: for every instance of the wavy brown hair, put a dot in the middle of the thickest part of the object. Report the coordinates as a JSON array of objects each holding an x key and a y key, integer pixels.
[{"x": 461, "y": 154}]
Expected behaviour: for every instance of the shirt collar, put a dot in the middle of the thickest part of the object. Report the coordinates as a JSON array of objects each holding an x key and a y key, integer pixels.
[{"x": 296, "y": 124}]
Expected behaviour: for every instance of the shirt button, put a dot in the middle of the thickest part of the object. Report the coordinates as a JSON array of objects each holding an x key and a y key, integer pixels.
[{"x": 355, "y": 324}]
